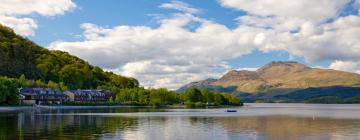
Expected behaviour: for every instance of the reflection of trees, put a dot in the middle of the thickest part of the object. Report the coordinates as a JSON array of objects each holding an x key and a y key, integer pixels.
[
  {"x": 7, "y": 126},
  {"x": 111, "y": 110},
  {"x": 285, "y": 127},
  {"x": 34, "y": 125}
]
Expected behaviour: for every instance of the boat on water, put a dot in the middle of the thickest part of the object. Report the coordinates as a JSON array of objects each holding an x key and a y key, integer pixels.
[{"x": 231, "y": 110}]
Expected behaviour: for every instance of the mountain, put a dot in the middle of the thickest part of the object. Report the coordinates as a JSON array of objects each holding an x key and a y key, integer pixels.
[
  {"x": 279, "y": 78},
  {"x": 20, "y": 56},
  {"x": 199, "y": 84}
]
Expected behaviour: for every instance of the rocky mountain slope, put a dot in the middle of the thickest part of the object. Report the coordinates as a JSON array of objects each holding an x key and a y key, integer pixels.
[{"x": 277, "y": 76}]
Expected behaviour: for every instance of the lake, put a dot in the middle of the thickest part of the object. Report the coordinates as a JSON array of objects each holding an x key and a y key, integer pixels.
[{"x": 253, "y": 121}]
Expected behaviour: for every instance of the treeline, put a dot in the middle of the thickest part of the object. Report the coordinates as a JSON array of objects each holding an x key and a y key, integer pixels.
[
  {"x": 19, "y": 56},
  {"x": 125, "y": 96},
  {"x": 195, "y": 97},
  {"x": 23, "y": 82},
  {"x": 191, "y": 98},
  {"x": 335, "y": 100}
]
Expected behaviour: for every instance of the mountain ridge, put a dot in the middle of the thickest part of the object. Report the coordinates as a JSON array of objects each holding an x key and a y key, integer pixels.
[{"x": 282, "y": 75}]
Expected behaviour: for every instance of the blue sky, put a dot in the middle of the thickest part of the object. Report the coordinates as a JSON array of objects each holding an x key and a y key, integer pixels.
[
  {"x": 138, "y": 13},
  {"x": 162, "y": 42},
  {"x": 115, "y": 12}
]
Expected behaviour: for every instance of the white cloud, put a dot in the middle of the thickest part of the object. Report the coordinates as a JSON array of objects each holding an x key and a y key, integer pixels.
[
  {"x": 318, "y": 10},
  {"x": 181, "y": 6},
  {"x": 271, "y": 22},
  {"x": 357, "y": 4},
  {"x": 345, "y": 66},
  {"x": 248, "y": 69},
  {"x": 167, "y": 56},
  {"x": 303, "y": 27},
  {"x": 331, "y": 41},
  {"x": 172, "y": 55},
  {"x": 23, "y": 26},
  {"x": 15, "y": 13}
]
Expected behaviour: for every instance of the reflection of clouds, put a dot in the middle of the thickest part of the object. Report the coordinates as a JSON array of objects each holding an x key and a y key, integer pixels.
[
  {"x": 264, "y": 127},
  {"x": 133, "y": 135},
  {"x": 286, "y": 127},
  {"x": 169, "y": 128},
  {"x": 245, "y": 126}
]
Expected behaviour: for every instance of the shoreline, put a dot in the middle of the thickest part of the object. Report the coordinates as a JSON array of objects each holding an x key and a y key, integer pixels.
[
  {"x": 22, "y": 108},
  {"x": 14, "y": 108},
  {"x": 4, "y": 109}
]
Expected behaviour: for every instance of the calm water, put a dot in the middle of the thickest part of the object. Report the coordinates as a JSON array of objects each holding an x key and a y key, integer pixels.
[{"x": 253, "y": 121}]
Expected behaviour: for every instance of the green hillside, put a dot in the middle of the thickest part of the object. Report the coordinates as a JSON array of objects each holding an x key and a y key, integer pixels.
[{"x": 19, "y": 56}]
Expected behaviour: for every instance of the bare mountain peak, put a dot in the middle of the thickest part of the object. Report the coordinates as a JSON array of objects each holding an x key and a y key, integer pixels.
[
  {"x": 284, "y": 63},
  {"x": 240, "y": 75},
  {"x": 283, "y": 66}
]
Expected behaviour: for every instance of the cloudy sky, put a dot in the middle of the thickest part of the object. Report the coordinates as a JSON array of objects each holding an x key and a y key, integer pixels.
[{"x": 166, "y": 43}]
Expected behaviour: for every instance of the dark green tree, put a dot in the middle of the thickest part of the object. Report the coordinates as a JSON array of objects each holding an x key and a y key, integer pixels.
[
  {"x": 193, "y": 95},
  {"x": 8, "y": 91}
]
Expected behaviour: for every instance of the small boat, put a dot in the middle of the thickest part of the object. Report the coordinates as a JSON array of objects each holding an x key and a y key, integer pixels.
[{"x": 231, "y": 110}]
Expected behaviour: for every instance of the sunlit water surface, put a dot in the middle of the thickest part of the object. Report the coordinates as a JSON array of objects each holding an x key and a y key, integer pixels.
[{"x": 253, "y": 121}]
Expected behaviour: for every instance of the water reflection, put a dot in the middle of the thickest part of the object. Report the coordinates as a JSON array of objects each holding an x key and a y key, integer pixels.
[
  {"x": 289, "y": 127},
  {"x": 32, "y": 125},
  {"x": 73, "y": 124}
]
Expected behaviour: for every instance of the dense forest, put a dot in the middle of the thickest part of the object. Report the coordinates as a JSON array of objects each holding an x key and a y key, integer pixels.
[
  {"x": 20, "y": 56},
  {"x": 25, "y": 64},
  {"x": 191, "y": 98},
  {"x": 334, "y": 100}
]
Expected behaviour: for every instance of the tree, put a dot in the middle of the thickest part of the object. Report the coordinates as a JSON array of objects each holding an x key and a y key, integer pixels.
[
  {"x": 193, "y": 95},
  {"x": 162, "y": 96},
  {"x": 23, "y": 82},
  {"x": 230, "y": 99},
  {"x": 8, "y": 91},
  {"x": 52, "y": 84},
  {"x": 40, "y": 83},
  {"x": 63, "y": 87},
  {"x": 218, "y": 99},
  {"x": 144, "y": 96}
]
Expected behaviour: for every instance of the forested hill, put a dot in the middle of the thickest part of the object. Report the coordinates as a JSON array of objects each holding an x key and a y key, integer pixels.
[{"x": 20, "y": 56}]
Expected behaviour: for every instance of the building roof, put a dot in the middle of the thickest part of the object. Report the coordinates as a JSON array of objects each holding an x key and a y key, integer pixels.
[
  {"x": 41, "y": 92},
  {"x": 93, "y": 92}
]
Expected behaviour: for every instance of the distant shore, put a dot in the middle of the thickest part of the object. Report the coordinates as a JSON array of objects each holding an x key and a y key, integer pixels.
[{"x": 21, "y": 108}]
